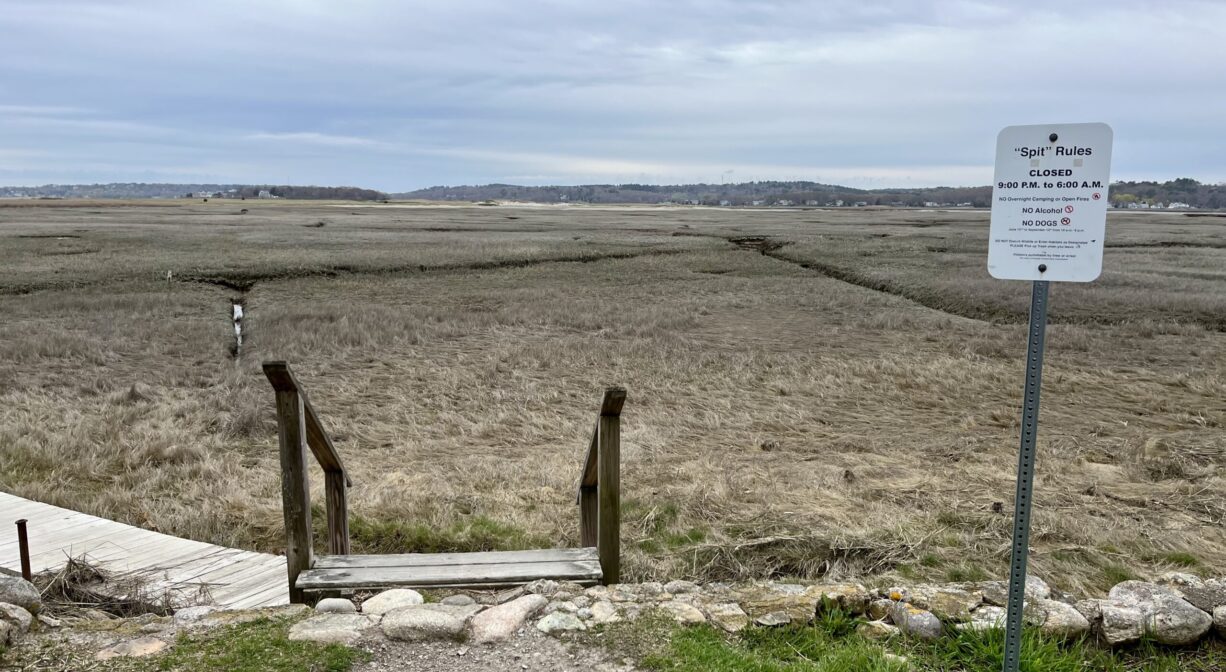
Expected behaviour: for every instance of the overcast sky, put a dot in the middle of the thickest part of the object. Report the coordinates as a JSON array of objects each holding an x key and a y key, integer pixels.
[{"x": 400, "y": 95}]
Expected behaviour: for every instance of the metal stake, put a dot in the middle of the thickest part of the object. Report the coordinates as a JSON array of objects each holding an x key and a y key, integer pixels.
[
  {"x": 1025, "y": 475},
  {"x": 23, "y": 544}
]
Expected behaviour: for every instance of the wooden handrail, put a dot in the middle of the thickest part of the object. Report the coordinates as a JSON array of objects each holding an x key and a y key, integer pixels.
[
  {"x": 599, "y": 496},
  {"x": 298, "y": 428}
]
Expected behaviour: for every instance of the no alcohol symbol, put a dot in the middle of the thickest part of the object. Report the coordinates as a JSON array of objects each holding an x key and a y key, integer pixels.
[
  {"x": 1066, "y": 221},
  {"x": 1068, "y": 208}
]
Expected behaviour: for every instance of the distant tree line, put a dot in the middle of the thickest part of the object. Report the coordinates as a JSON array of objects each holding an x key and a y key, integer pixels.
[{"x": 159, "y": 190}]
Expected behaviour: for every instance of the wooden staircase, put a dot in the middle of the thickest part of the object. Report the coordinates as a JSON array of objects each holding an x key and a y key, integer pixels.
[{"x": 597, "y": 561}]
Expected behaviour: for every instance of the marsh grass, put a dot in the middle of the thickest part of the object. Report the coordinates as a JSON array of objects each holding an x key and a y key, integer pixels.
[{"x": 780, "y": 422}]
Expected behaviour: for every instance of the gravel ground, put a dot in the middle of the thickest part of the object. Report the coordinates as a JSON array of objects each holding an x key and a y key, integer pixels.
[{"x": 528, "y": 650}]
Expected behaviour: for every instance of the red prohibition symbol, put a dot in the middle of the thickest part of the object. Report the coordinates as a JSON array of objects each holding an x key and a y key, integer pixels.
[
  {"x": 1066, "y": 221},
  {"x": 1068, "y": 208},
  {"x": 1097, "y": 195}
]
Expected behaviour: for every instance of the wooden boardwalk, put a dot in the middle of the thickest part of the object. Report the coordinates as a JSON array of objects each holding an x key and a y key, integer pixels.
[{"x": 192, "y": 571}]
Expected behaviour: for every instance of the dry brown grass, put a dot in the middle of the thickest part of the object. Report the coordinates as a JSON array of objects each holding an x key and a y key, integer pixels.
[{"x": 780, "y": 421}]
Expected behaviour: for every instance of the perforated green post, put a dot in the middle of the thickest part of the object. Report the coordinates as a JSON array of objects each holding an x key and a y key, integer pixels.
[{"x": 1025, "y": 476}]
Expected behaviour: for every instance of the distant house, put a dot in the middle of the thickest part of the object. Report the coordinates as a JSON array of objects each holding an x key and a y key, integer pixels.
[
  {"x": 811, "y": 202},
  {"x": 838, "y": 203},
  {"x": 783, "y": 202},
  {"x": 759, "y": 202},
  {"x": 264, "y": 193},
  {"x": 1176, "y": 205},
  {"x": 725, "y": 203},
  {"x": 861, "y": 204}
]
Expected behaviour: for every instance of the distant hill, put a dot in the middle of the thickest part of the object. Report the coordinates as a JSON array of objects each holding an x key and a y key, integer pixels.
[
  {"x": 143, "y": 190},
  {"x": 1123, "y": 194}
]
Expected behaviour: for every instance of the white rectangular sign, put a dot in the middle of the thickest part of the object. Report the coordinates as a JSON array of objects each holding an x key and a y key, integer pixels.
[{"x": 1049, "y": 202}]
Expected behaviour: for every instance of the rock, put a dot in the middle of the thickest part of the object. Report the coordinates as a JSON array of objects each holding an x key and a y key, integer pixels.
[
  {"x": 728, "y": 616},
  {"x": 915, "y": 622},
  {"x": 947, "y": 604},
  {"x": 459, "y": 601},
  {"x": 1205, "y": 595},
  {"x": 49, "y": 622},
  {"x": 879, "y": 609},
  {"x": 582, "y": 601},
  {"x": 1062, "y": 620},
  {"x": 335, "y": 605},
  {"x": 680, "y": 587},
  {"x": 682, "y": 613},
  {"x": 417, "y": 623},
  {"x": 8, "y": 633},
  {"x": 332, "y": 628},
  {"x": 896, "y": 660},
  {"x": 876, "y": 630},
  {"x": 996, "y": 593},
  {"x": 18, "y": 591},
  {"x": 584, "y": 613},
  {"x": 1121, "y": 624},
  {"x": 510, "y": 594},
  {"x": 464, "y": 613},
  {"x": 773, "y": 618},
  {"x": 133, "y": 648},
  {"x": 597, "y": 592},
  {"x": 153, "y": 628},
  {"x": 546, "y": 587},
  {"x": 1168, "y": 618},
  {"x": 1091, "y": 609},
  {"x": 621, "y": 594},
  {"x": 799, "y": 607},
  {"x": 192, "y": 614},
  {"x": 397, "y": 598},
  {"x": 1219, "y": 620},
  {"x": 604, "y": 612},
  {"x": 222, "y": 617},
  {"x": 559, "y": 621},
  {"x": 851, "y": 597},
  {"x": 498, "y": 623},
  {"x": 568, "y": 607},
  {"x": 986, "y": 617},
  {"x": 21, "y": 619},
  {"x": 650, "y": 589}
]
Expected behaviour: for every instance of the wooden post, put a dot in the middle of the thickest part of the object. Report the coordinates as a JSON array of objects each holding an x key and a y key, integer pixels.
[
  {"x": 338, "y": 512},
  {"x": 295, "y": 489},
  {"x": 608, "y": 479},
  {"x": 587, "y": 517}
]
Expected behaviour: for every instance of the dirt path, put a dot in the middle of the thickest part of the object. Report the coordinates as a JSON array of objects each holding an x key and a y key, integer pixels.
[{"x": 528, "y": 650}]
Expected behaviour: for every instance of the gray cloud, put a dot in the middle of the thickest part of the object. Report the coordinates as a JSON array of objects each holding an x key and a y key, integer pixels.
[{"x": 383, "y": 95}]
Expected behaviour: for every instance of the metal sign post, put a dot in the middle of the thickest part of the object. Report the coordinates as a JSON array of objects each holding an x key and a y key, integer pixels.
[
  {"x": 1025, "y": 475},
  {"x": 1049, "y": 217}
]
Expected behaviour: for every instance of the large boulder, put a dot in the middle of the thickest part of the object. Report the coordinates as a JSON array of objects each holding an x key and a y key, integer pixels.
[
  {"x": 396, "y": 598},
  {"x": 19, "y": 618},
  {"x": 996, "y": 593},
  {"x": 498, "y": 623},
  {"x": 1168, "y": 618},
  {"x": 18, "y": 591},
  {"x": 1062, "y": 620},
  {"x": 417, "y": 623},
  {"x": 1203, "y": 594},
  {"x": 1121, "y": 624},
  {"x": 685, "y": 614},
  {"x": 332, "y": 628},
  {"x": 946, "y": 603},
  {"x": 1219, "y": 620},
  {"x": 335, "y": 605},
  {"x": 986, "y": 617},
  {"x": 915, "y": 622}
]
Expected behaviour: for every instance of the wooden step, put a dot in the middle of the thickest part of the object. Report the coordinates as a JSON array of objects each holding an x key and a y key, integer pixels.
[{"x": 451, "y": 570}]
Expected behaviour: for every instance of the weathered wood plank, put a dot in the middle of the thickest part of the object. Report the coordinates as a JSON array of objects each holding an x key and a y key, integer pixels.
[
  {"x": 338, "y": 512},
  {"x": 588, "y": 522},
  {"x": 449, "y": 559},
  {"x": 169, "y": 563},
  {"x": 509, "y": 573},
  {"x": 318, "y": 439}
]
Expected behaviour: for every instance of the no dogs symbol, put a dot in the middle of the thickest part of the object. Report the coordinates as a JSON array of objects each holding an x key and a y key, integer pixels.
[{"x": 1066, "y": 221}]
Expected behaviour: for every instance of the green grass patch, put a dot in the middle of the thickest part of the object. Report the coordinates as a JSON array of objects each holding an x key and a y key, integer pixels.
[
  {"x": 1181, "y": 559},
  {"x": 831, "y": 645},
  {"x": 259, "y": 646}
]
